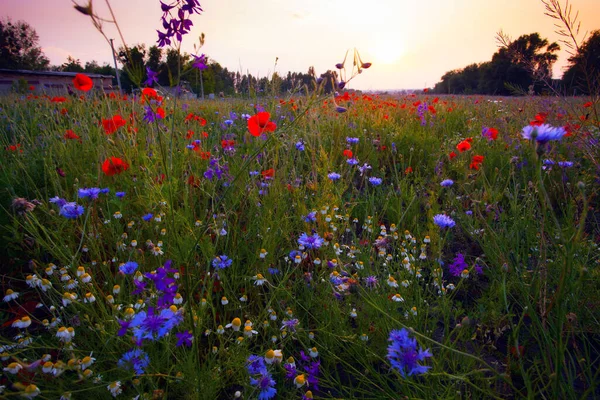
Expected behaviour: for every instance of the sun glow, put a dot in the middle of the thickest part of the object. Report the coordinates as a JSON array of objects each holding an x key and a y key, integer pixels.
[{"x": 387, "y": 51}]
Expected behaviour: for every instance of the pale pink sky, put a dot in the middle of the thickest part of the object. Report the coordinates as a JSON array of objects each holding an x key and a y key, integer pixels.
[{"x": 410, "y": 43}]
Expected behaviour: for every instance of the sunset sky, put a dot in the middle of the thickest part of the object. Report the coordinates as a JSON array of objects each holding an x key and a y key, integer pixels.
[{"x": 410, "y": 43}]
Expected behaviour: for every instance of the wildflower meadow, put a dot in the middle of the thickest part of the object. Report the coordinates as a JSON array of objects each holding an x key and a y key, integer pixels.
[{"x": 312, "y": 245}]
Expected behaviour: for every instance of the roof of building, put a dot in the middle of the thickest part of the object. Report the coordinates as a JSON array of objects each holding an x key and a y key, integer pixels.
[{"x": 50, "y": 73}]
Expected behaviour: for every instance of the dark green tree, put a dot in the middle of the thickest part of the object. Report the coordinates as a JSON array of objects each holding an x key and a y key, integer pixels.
[
  {"x": 583, "y": 73},
  {"x": 72, "y": 65},
  {"x": 19, "y": 48}
]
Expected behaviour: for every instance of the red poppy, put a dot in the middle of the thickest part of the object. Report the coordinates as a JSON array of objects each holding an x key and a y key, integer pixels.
[
  {"x": 160, "y": 112},
  {"x": 517, "y": 352},
  {"x": 189, "y": 134},
  {"x": 193, "y": 181},
  {"x": 64, "y": 111},
  {"x": 463, "y": 146},
  {"x": 58, "y": 99},
  {"x": 259, "y": 123},
  {"x": 227, "y": 144},
  {"x": 588, "y": 104},
  {"x": 15, "y": 147},
  {"x": 348, "y": 153},
  {"x": 111, "y": 125},
  {"x": 70, "y": 135},
  {"x": 83, "y": 82},
  {"x": 492, "y": 133},
  {"x": 32, "y": 88},
  {"x": 408, "y": 170},
  {"x": 452, "y": 155},
  {"x": 114, "y": 166},
  {"x": 539, "y": 119},
  {"x": 476, "y": 162},
  {"x": 150, "y": 94},
  {"x": 268, "y": 174}
]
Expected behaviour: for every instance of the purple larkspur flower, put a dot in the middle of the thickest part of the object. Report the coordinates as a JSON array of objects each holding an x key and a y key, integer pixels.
[
  {"x": 200, "y": 62},
  {"x": 458, "y": 265},
  {"x": 184, "y": 339},
  {"x": 152, "y": 77}
]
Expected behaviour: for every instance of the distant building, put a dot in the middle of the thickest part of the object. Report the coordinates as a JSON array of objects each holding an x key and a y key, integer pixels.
[{"x": 49, "y": 81}]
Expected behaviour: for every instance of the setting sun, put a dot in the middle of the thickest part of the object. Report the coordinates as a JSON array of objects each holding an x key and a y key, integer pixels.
[{"x": 387, "y": 51}]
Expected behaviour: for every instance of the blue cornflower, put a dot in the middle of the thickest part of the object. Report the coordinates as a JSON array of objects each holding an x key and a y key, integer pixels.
[
  {"x": 222, "y": 262},
  {"x": 310, "y": 217},
  {"x": 403, "y": 354},
  {"x": 120, "y": 195},
  {"x": 91, "y": 193},
  {"x": 300, "y": 146},
  {"x": 310, "y": 242},
  {"x": 443, "y": 221},
  {"x": 447, "y": 183},
  {"x": 266, "y": 384},
  {"x": 565, "y": 164},
  {"x": 128, "y": 268},
  {"x": 105, "y": 190},
  {"x": 228, "y": 122},
  {"x": 334, "y": 176},
  {"x": 352, "y": 161},
  {"x": 375, "y": 181},
  {"x": 58, "y": 201},
  {"x": 71, "y": 210},
  {"x": 135, "y": 359},
  {"x": 543, "y": 133},
  {"x": 273, "y": 271},
  {"x": 154, "y": 325},
  {"x": 371, "y": 281},
  {"x": 364, "y": 168},
  {"x": 262, "y": 379},
  {"x": 184, "y": 339},
  {"x": 147, "y": 217},
  {"x": 290, "y": 324},
  {"x": 256, "y": 365},
  {"x": 352, "y": 140}
]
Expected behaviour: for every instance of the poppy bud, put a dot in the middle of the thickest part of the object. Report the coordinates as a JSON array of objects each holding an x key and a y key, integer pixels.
[
  {"x": 365, "y": 65},
  {"x": 339, "y": 65},
  {"x": 341, "y": 85},
  {"x": 87, "y": 10}
]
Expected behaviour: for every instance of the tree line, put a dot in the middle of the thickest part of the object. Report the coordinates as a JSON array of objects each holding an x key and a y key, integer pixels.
[
  {"x": 524, "y": 66},
  {"x": 19, "y": 49}
]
